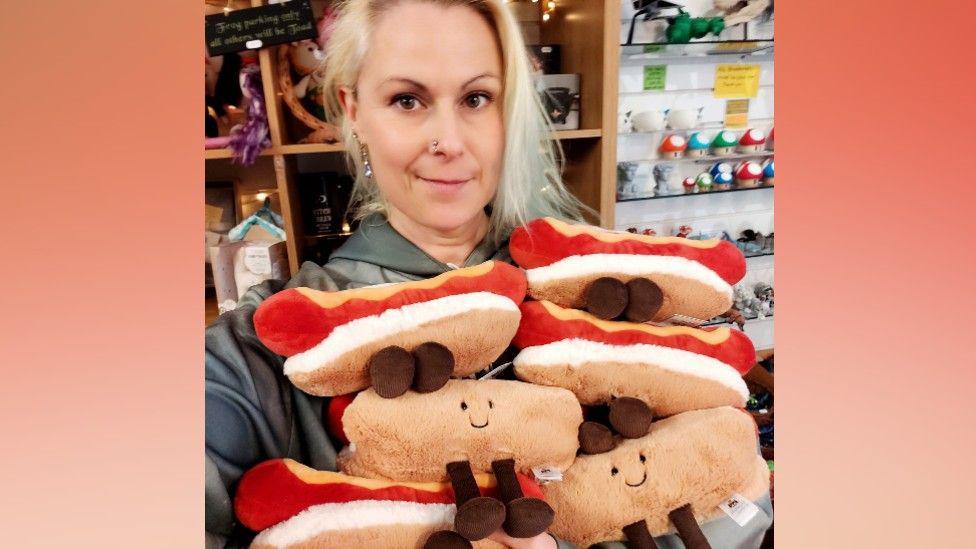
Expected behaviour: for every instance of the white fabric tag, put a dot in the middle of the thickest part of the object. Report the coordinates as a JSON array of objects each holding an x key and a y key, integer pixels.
[
  {"x": 545, "y": 474},
  {"x": 739, "y": 509}
]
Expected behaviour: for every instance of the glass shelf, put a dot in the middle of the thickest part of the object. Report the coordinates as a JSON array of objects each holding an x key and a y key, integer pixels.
[
  {"x": 757, "y": 254},
  {"x": 703, "y": 127},
  {"x": 638, "y": 199},
  {"x": 643, "y": 51},
  {"x": 702, "y": 160}
]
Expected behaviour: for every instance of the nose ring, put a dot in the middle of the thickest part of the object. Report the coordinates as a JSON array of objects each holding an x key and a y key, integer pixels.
[{"x": 433, "y": 146}]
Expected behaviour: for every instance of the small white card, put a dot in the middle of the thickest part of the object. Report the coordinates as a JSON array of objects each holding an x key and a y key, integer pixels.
[
  {"x": 546, "y": 475},
  {"x": 739, "y": 509}
]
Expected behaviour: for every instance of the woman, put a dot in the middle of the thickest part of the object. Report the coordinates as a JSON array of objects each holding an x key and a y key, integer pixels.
[{"x": 450, "y": 149}]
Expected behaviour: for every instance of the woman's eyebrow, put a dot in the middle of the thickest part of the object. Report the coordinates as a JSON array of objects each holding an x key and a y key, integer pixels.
[{"x": 422, "y": 87}]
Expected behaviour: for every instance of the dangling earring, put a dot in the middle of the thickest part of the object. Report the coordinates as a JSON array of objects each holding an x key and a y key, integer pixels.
[{"x": 367, "y": 169}]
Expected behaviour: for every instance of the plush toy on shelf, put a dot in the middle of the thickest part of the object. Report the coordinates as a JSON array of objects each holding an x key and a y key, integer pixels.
[
  {"x": 678, "y": 476},
  {"x": 704, "y": 182},
  {"x": 698, "y": 146},
  {"x": 615, "y": 274},
  {"x": 639, "y": 371},
  {"x": 747, "y": 175},
  {"x": 723, "y": 181},
  {"x": 469, "y": 426},
  {"x": 673, "y": 146},
  {"x": 683, "y": 28},
  {"x": 724, "y": 143},
  {"x": 395, "y": 337},
  {"x": 768, "y": 172},
  {"x": 720, "y": 167},
  {"x": 752, "y": 141}
]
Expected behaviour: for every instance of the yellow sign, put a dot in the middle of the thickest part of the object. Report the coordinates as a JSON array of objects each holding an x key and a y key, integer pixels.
[
  {"x": 736, "y": 113},
  {"x": 736, "y": 80}
]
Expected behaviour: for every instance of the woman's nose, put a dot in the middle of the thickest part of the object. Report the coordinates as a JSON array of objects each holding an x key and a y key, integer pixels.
[{"x": 447, "y": 133}]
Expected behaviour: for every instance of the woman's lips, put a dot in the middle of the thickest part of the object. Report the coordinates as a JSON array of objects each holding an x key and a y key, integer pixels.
[{"x": 446, "y": 182}]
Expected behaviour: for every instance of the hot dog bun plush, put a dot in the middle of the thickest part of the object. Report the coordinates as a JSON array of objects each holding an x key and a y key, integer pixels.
[
  {"x": 414, "y": 436},
  {"x": 296, "y": 507},
  {"x": 678, "y": 280},
  {"x": 674, "y": 477},
  {"x": 672, "y": 369},
  {"x": 466, "y": 427},
  {"x": 411, "y": 334}
]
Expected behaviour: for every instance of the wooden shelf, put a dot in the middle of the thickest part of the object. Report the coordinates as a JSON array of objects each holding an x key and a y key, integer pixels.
[{"x": 577, "y": 134}]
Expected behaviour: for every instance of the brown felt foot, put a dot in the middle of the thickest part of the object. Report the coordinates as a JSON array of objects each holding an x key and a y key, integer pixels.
[
  {"x": 478, "y": 517},
  {"x": 435, "y": 364},
  {"x": 595, "y": 438},
  {"x": 391, "y": 371},
  {"x": 630, "y": 417},
  {"x": 606, "y": 298},
  {"x": 446, "y": 539},
  {"x": 689, "y": 531},
  {"x": 639, "y": 536},
  {"x": 527, "y": 517},
  {"x": 644, "y": 299}
]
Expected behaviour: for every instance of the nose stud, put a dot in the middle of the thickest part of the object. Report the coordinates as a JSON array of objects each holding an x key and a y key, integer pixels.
[{"x": 433, "y": 146}]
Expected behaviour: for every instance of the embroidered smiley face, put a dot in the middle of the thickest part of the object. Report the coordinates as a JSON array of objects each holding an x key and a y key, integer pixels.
[
  {"x": 634, "y": 474},
  {"x": 478, "y": 412}
]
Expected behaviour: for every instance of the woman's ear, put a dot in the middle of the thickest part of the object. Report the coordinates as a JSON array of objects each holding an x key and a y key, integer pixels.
[{"x": 347, "y": 98}]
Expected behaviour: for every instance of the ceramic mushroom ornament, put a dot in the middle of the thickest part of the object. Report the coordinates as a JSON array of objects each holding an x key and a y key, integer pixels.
[
  {"x": 748, "y": 174},
  {"x": 768, "y": 172},
  {"x": 704, "y": 182},
  {"x": 724, "y": 143},
  {"x": 720, "y": 167},
  {"x": 689, "y": 185},
  {"x": 752, "y": 141},
  {"x": 723, "y": 181},
  {"x": 673, "y": 146},
  {"x": 697, "y": 146}
]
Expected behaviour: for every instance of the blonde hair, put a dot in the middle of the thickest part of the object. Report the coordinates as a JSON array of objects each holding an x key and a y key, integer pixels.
[{"x": 530, "y": 184}]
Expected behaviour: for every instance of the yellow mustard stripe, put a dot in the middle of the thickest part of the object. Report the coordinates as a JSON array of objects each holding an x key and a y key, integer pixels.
[
  {"x": 616, "y": 236},
  {"x": 377, "y": 293},
  {"x": 715, "y": 337},
  {"x": 314, "y": 476}
]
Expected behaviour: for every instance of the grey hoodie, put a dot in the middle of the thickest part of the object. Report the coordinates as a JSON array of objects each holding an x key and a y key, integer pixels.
[{"x": 253, "y": 413}]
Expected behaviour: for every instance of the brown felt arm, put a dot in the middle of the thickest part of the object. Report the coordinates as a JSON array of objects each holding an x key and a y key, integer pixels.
[
  {"x": 508, "y": 484},
  {"x": 638, "y": 536},
  {"x": 689, "y": 531}
]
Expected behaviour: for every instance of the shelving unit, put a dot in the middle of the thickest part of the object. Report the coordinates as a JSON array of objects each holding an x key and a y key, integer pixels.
[{"x": 689, "y": 195}]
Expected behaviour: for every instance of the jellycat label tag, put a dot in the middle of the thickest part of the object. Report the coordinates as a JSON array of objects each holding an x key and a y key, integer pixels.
[
  {"x": 545, "y": 475},
  {"x": 739, "y": 509},
  {"x": 258, "y": 260}
]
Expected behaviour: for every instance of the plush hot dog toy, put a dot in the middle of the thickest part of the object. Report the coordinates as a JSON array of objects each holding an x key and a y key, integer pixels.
[
  {"x": 623, "y": 275},
  {"x": 640, "y": 370},
  {"x": 394, "y": 337},
  {"x": 675, "y": 476},
  {"x": 296, "y": 507},
  {"x": 485, "y": 425}
]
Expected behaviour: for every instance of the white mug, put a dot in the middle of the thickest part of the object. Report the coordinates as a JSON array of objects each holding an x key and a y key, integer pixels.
[{"x": 648, "y": 121}]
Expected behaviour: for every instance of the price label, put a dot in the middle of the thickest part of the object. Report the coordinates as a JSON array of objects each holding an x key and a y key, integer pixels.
[{"x": 655, "y": 77}]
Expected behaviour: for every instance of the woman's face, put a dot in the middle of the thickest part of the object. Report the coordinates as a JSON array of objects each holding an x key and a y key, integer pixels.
[{"x": 432, "y": 73}]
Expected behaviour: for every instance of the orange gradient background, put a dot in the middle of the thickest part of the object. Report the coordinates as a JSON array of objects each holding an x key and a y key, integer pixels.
[{"x": 101, "y": 399}]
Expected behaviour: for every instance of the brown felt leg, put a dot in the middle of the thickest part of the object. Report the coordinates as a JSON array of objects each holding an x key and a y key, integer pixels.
[
  {"x": 638, "y": 536},
  {"x": 606, "y": 298},
  {"x": 630, "y": 417},
  {"x": 391, "y": 371},
  {"x": 435, "y": 364},
  {"x": 477, "y": 516},
  {"x": 595, "y": 438},
  {"x": 524, "y": 517},
  {"x": 446, "y": 539},
  {"x": 689, "y": 531},
  {"x": 644, "y": 299}
]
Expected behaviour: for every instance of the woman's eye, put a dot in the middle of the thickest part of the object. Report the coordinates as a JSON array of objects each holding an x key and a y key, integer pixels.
[
  {"x": 477, "y": 100},
  {"x": 406, "y": 102}
]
